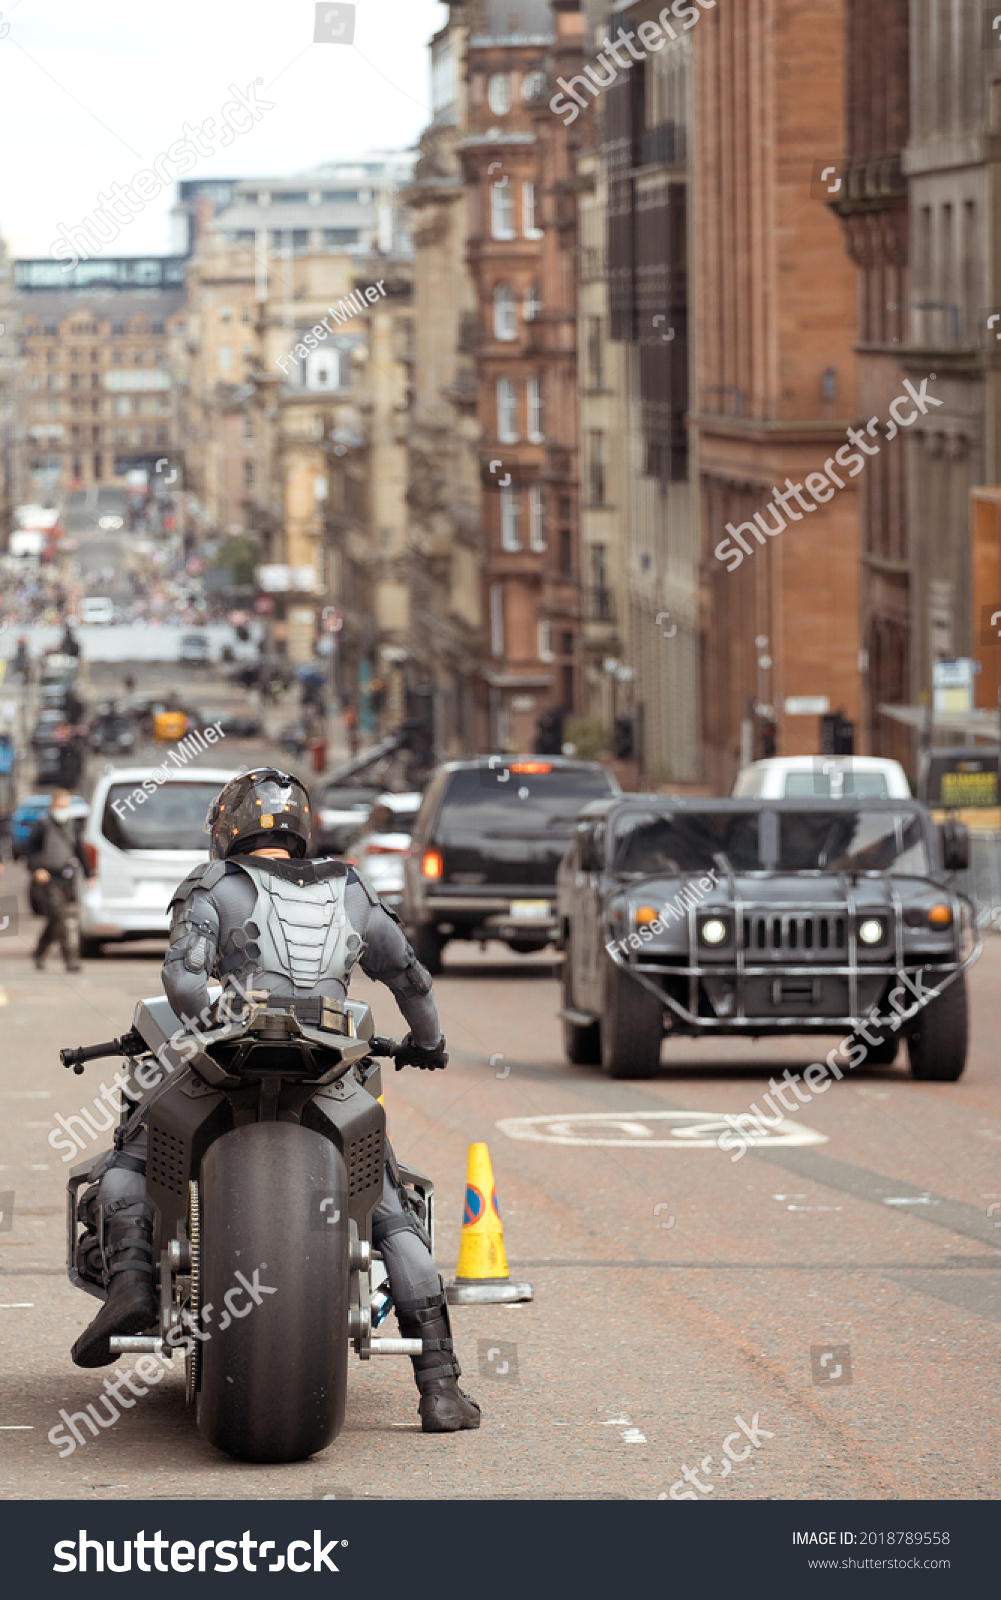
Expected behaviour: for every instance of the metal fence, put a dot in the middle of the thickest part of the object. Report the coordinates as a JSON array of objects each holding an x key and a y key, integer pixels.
[{"x": 982, "y": 882}]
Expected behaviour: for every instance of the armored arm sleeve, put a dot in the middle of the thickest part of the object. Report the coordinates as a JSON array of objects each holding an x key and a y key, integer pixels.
[
  {"x": 389, "y": 959},
  {"x": 191, "y": 953}
]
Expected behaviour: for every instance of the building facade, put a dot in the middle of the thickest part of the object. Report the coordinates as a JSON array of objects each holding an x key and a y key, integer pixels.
[{"x": 97, "y": 397}]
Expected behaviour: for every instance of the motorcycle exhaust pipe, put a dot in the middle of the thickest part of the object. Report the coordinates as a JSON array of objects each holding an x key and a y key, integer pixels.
[
  {"x": 121, "y": 1343},
  {"x": 397, "y": 1347}
]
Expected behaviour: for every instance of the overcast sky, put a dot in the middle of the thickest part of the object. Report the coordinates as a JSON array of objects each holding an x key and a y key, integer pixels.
[{"x": 92, "y": 92}]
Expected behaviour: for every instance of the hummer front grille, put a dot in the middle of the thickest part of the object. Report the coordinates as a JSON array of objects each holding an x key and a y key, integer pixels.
[{"x": 787, "y": 933}]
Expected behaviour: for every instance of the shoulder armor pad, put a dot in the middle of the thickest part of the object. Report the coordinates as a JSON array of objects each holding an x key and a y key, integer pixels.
[
  {"x": 330, "y": 869},
  {"x": 205, "y": 876},
  {"x": 360, "y": 878}
]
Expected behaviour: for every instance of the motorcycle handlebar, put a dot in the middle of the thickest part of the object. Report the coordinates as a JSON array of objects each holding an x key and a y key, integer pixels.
[
  {"x": 130, "y": 1043},
  {"x": 383, "y": 1047}
]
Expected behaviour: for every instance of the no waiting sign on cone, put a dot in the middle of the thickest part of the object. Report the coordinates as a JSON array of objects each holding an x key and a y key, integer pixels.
[{"x": 482, "y": 1275}]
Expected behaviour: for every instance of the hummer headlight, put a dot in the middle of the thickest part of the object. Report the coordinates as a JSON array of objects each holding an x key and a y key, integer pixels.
[
  {"x": 871, "y": 931},
  {"x": 713, "y": 931}
]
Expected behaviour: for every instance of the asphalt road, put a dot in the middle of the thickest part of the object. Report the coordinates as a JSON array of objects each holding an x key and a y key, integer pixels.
[{"x": 675, "y": 1290}]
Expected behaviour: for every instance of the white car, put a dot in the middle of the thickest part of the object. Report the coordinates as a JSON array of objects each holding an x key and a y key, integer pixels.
[
  {"x": 823, "y": 778},
  {"x": 139, "y": 850},
  {"x": 97, "y": 610},
  {"x": 381, "y": 846}
]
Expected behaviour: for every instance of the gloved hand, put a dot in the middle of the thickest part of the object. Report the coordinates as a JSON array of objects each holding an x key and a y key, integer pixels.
[{"x": 427, "y": 1057}]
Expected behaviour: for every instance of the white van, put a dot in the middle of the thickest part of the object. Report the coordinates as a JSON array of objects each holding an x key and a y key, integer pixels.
[
  {"x": 138, "y": 851},
  {"x": 97, "y": 611},
  {"x": 822, "y": 778}
]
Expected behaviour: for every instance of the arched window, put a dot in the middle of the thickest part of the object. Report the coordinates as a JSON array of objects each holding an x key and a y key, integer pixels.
[{"x": 505, "y": 321}]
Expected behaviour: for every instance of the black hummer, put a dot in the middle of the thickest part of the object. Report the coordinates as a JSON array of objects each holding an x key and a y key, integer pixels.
[{"x": 744, "y": 917}]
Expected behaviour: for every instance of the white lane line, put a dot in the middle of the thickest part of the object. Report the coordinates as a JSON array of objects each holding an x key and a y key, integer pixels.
[
  {"x": 17, "y": 1305},
  {"x": 911, "y": 1200},
  {"x": 17, "y": 1427}
]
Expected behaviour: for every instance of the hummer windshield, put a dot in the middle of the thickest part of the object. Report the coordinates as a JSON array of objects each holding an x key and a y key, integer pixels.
[{"x": 850, "y": 839}]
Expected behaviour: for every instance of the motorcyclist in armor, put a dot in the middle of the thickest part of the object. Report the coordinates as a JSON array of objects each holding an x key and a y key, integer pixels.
[{"x": 259, "y": 916}]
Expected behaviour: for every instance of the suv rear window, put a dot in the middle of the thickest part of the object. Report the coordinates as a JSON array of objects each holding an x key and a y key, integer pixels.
[
  {"x": 817, "y": 785},
  {"x": 171, "y": 819},
  {"x": 507, "y": 801}
]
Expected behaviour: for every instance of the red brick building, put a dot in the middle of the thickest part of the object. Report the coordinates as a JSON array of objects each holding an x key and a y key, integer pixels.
[{"x": 521, "y": 256}]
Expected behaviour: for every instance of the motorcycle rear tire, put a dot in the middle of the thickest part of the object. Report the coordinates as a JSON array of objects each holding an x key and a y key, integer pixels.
[{"x": 274, "y": 1379}]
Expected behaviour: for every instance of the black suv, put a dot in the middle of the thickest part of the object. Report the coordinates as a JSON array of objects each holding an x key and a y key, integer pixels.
[
  {"x": 756, "y": 918},
  {"x": 485, "y": 848}
]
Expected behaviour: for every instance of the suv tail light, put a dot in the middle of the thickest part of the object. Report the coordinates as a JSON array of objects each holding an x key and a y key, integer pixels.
[
  {"x": 431, "y": 865},
  {"x": 386, "y": 850},
  {"x": 90, "y": 853}
]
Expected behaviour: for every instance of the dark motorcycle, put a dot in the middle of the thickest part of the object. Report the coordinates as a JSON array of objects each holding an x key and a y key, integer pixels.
[{"x": 266, "y": 1148}]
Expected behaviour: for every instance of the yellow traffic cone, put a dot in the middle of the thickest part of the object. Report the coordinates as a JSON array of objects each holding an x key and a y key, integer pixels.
[{"x": 482, "y": 1274}]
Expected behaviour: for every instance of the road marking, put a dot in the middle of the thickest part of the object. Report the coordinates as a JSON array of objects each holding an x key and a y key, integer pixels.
[
  {"x": 17, "y": 1305},
  {"x": 17, "y": 1427},
  {"x": 910, "y": 1200},
  {"x": 689, "y": 1130}
]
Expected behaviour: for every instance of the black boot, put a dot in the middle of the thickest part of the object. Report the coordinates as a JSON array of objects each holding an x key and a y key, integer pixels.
[
  {"x": 444, "y": 1408},
  {"x": 131, "y": 1306}
]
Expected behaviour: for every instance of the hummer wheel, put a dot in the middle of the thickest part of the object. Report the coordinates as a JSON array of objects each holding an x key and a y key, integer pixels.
[
  {"x": 937, "y": 1047},
  {"x": 632, "y": 1026}
]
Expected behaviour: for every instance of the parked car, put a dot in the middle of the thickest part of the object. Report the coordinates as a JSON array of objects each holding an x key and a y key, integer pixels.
[
  {"x": 339, "y": 810},
  {"x": 486, "y": 845},
  {"x": 32, "y": 810},
  {"x": 139, "y": 851},
  {"x": 822, "y": 778},
  {"x": 112, "y": 733},
  {"x": 231, "y": 724},
  {"x": 759, "y": 919},
  {"x": 97, "y": 610},
  {"x": 380, "y": 848},
  {"x": 195, "y": 648},
  {"x": 44, "y": 731}
]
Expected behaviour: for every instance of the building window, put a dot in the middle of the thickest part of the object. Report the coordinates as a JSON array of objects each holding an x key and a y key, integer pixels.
[
  {"x": 545, "y": 639},
  {"x": 248, "y": 475},
  {"x": 528, "y": 227},
  {"x": 123, "y": 405},
  {"x": 596, "y": 467},
  {"x": 74, "y": 381},
  {"x": 496, "y": 619},
  {"x": 595, "y": 354},
  {"x": 535, "y": 429},
  {"x": 156, "y": 327},
  {"x": 95, "y": 435},
  {"x": 507, "y": 411},
  {"x": 225, "y": 358},
  {"x": 536, "y": 529},
  {"x": 566, "y": 552},
  {"x": 137, "y": 358},
  {"x": 225, "y": 313},
  {"x": 323, "y": 370},
  {"x": 95, "y": 358},
  {"x": 339, "y": 237},
  {"x": 161, "y": 435},
  {"x": 248, "y": 427},
  {"x": 121, "y": 436},
  {"x": 244, "y": 313},
  {"x": 116, "y": 358},
  {"x": 50, "y": 358},
  {"x": 160, "y": 358},
  {"x": 510, "y": 517},
  {"x": 499, "y": 93},
  {"x": 505, "y": 320},
  {"x": 95, "y": 380},
  {"x": 53, "y": 408},
  {"x": 532, "y": 303},
  {"x": 502, "y": 210}
]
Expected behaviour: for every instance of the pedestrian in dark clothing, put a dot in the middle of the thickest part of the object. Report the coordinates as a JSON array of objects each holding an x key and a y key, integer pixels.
[{"x": 55, "y": 855}]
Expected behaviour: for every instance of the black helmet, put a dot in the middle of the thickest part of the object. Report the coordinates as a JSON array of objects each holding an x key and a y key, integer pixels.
[{"x": 260, "y": 808}]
